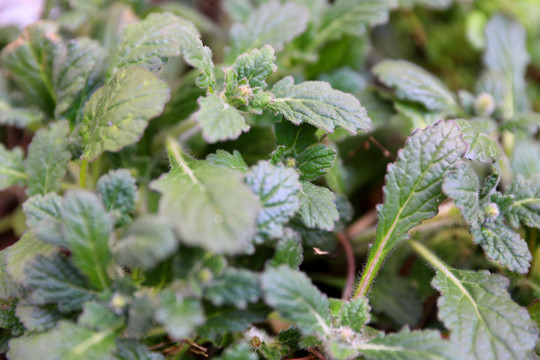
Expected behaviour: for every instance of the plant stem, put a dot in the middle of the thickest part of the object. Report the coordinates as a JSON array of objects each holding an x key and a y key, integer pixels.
[
  {"x": 432, "y": 258},
  {"x": 82, "y": 173}
]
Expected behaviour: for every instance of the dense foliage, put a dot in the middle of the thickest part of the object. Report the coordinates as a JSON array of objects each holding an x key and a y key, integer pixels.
[{"x": 208, "y": 188}]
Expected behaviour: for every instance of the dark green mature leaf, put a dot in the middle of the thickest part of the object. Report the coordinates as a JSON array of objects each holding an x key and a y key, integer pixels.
[
  {"x": 317, "y": 207},
  {"x": 354, "y": 314},
  {"x": 483, "y": 320},
  {"x": 413, "y": 83},
  {"x": 43, "y": 216},
  {"x": 117, "y": 113},
  {"x": 526, "y": 207},
  {"x": 236, "y": 287},
  {"x": 128, "y": 349},
  {"x": 481, "y": 146},
  {"x": 48, "y": 156},
  {"x": 353, "y": 18},
  {"x": 277, "y": 187},
  {"x": 218, "y": 120},
  {"x": 316, "y": 103},
  {"x": 11, "y": 167},
  {"x": 298, "y": 137},
  {"x": 67, "y": 341},
  {"x": 86, "y": 227},
  {"x": 225, "y": 319},
  {"x": 8, "y": 319},
  {"x": 233, "y": 161},
  {"x": 198, "y": 200},
  {"x": 270, "y": 24},
  {"x": 77, "y": 72},
  {"x": 288, "y": 250},
  {"x": 256, "y": 66},
  {"x": 119, "y": 194},
  {"x": 463, "y": 186},
  {"x": 410, "y": 345},
  {"x": 8, "y": 289},
  {"x": 506, "y": 53},
  {"x": 297, "y": 299},
  {"x": 29, "y": 60},
  {"x": 18, "y": 116},
  {"x": 20, "y": 253},
  {"x": 313, "y": 162},
  {"x": 179, "y": 316},
  {"x": 98, "y": 316},
  {"x": 54, "y": 280},
  {"x": 145, "y": 243},
  {"x": 38, "y": 318}
]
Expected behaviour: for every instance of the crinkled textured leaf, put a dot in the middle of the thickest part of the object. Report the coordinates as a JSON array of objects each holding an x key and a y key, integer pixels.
[
  {"x": 198, "y": 56},
  {"x": 77, "y": 72},
  {"x": 298, "y": 137},
  {"x": 289, "y": 250},
  {"x": 8, "y": 289},
  {"x": 292, "y": 294},
  {"x": 256, "y": 66},
  {"x": 233, "y": 161},
  {"x": 98, "y": 316},
  {"x": 11, "y": 167},
  {"x": 38, "y": 318},
  {"x": 483, "y": 320},
  {"x": 117, "y": 113},
  {"x": 277, "y": 187},
  {"x": 24, "y": 250},
  {"x": 119, "y": 194},
  {"x": 44, "y": 218},
  {"x": 54, "y": 280},
  {"x": 354, "y": 314},
  {"x": 128, "y": 349},
  {"x": 463, "y": 186},
  {"x": 140, "y": 315},
  {"x": 410, "y": 345},
  {"x": 86, "y": 227},
  {"x": 526, "y": 207},
  {"x": 8, "y": 319},
  {"x": 219, "y": 121},
  {"x": 317, "y": 207},
  {"x": 506, "y": 53},
  {"x": 67, "y": 341},
  {"x": 353, "y": 17},
  {"x": 200, "y": 201},
  {"x": 145, "y": 243},
  {"x": 227, "y": 319},
  {"x": 47, "y": 159},
  {"x": 270, "y": 24},
  {"x": 481, "y": 146},
  {"x": 28, "y": 61},
  {"x": 313, "y": 162},
  {"x": 238, "y": 351},
  {"x": 236, "y": 287},
  {"x": 413, "y": 83},
  {"x": 316, "y": 103},
  {"x": 179, "y": 316},
  {"x": 19, "y": 117}
]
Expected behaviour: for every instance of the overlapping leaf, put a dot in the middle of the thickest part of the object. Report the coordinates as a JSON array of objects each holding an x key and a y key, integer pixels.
[
  {"x": 11, "y": 167},
  {"x": 317, "y": 207},
  {"x": 236, "y": 287},
  {"x": 219, "y": 120},
  {"x": 179, "y": 316},
  {"x": 119, "y": 194}
]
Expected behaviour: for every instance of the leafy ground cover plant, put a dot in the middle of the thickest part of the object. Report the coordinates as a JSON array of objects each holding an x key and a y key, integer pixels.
[{"x": 193, "y": 185}]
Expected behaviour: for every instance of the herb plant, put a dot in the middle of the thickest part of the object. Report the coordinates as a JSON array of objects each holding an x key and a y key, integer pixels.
[{"x": 191, "y": 186}]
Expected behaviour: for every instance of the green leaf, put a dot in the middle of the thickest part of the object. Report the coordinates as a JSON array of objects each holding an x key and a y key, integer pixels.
[
  {"x": 77, "y": 72},
  {"x": 29, "y": 60},
  {"x": 277, "y": 187},
  {"x": 179, "y": 316},
  {"x": 346, "y": 17},
  {"x": 313, "y": 162},
  {"x": 354, "y": 314},
  {"x": 38, "y": 318},
  {"x": 271, "y": 24},
  {"x": 413, "y": 83},
  {"x": 256, "y": 66},
  {"x": 229, "y": 319},
  {"x": 317, "y": 207},
  {"x": 87, "y": 227},
  {"x": 11, "y": 167},
  {"x": 526, "y": 206},
  {"x": 233, "y": 161},
  {"x": 236, "y": 287},
  {"x": 98, "y": 316},
  {"x": 54, "y": 280},
  {"x": 292, "y": 294},
  {"x": 140, "y": 315},
  {"x": 128, "y": 349},
  {"x": 47, "y": 160},
  {"x": 239, "y": 351},
  {"x": 119, "y": 194},
  {"x": 218, "y": 120},
  {"x": 8, "y": 289},
  {"x": 288, "y": 250},
  {"x": 20, "y": 253},
  {"x": 506, "y": 53},
  {"x": 117, "y": 113},
  {"x": 298, "y": 137},
  {"x": 67, "y": 341},
  {"x": 198, "y": 201},
  {"x": 145, "y": 243},
  {"x": 463, "y": 186},
  {"x": 43, "y": 216},
  {"x": 410, "y": 345},
  {"x": 483, "y": 320},
  {"x": 481, "y": 146},
  {"x": 8, "y": 319},
  {"x": 18, "y": 116},
  {"x": 526, "y": 158},
  {"x": 316, "y": 103}
]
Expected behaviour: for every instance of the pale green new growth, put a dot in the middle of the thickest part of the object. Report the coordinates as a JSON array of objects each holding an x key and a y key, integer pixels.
[
  {"x": 256, "y": 66},
  {"x": 117, "y": 113},
  {"x": 317, "y": 207},
  {"x": 219, "y": 120},
  {"x": 481, "y": 147}
]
